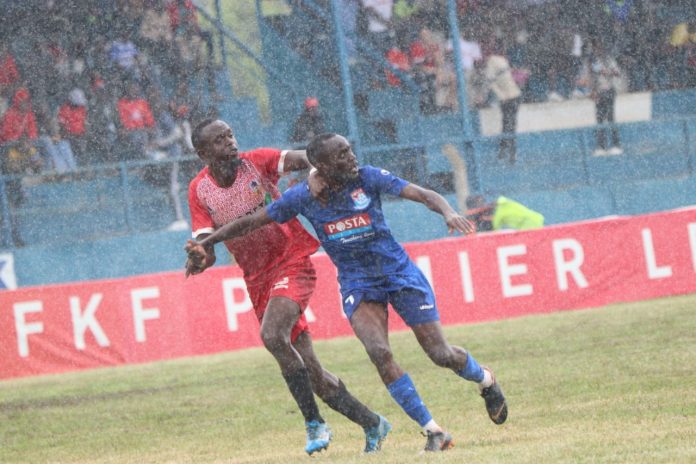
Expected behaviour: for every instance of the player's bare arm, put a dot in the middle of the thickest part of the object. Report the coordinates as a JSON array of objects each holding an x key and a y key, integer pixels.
[
  {"x": 237, "y": 228},
  {"x": 437, "y": 203},
  {"x": 296, "y": 160}
]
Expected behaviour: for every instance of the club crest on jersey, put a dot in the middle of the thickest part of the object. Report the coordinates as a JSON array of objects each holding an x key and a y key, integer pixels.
[{"x": 360, "y": 200}]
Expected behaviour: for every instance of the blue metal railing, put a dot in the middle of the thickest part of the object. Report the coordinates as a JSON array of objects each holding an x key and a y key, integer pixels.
[{"x": 129, "y": 205}]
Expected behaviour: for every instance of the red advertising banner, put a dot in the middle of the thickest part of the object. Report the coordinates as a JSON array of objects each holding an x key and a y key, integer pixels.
[{"x": 483, "y": 277}]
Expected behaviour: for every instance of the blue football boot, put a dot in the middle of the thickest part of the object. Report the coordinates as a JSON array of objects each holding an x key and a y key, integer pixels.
[
  {"x": 375, "y": 436},
  {"x": 318, "y": 436}
]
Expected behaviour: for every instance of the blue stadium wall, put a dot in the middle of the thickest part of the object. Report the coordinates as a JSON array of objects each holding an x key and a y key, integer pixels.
[{"x": 555, "y": 175}]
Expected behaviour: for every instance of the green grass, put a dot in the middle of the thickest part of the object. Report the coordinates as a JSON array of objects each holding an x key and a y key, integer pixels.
[{"x": 614, "y": 384}]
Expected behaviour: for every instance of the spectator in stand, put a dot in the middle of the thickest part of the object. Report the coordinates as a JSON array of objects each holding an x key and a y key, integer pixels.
[
  {"x": 576, "y": 61},
  {"x": 102, "y": 132},
  {"x": 9, "y": 74},
  {"x": 19, "y": 121},
  {"x": 73, "y": 122},
  {"x": 499, "y": 78},
  {"x": 399, "y": 61},
  {"x": 57, "y": 152},
  {"x": 18, "y": 134},
  {"x": 137, "y": 123},
  {"x": 124, "y": 57},
  {"x": 309, "y": 123},
  {"x": 604, "y": 77},
  {"x": 500, "y": 214}
]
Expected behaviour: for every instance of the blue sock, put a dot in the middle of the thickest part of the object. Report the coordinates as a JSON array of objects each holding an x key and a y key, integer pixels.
[
  {"x": 472, "y": 371},
  {"x": 404, "y": 393}
]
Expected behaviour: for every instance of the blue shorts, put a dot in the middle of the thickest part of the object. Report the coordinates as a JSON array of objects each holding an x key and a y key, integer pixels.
[{"x": 408, "y": 292}]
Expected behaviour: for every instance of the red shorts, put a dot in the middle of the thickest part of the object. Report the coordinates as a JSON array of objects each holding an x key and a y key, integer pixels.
[{"x": 294, "y": 280}]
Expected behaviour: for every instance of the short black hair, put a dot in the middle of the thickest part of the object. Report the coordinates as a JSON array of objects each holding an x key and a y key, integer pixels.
[
  {"x": 196, "y": 133},
  {"x": 314, "y": 149}
]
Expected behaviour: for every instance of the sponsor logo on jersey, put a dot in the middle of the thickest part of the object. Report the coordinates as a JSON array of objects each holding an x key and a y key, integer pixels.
[
  {"x": 282, "y": 283},
  {"x": 350, "y": 228},
  {"x": 360, "y": 200},
  {"x": 426, "y": 306},
  {"x": 350, "y": 300}
]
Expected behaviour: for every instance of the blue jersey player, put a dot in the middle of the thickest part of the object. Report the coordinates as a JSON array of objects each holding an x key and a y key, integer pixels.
[{"x": 374, "y": 270}]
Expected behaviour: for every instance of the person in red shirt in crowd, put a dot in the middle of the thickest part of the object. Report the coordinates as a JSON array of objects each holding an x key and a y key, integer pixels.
[
  {"x": 137, "y": 123},
  {"x": 279, "y": 275},
  {"x": 72, "y": 119},
  {"x": 17, "y": 137},
  {"x": 9, "y": 75},
  {"x": 399, "y": 60},
  {"x": 18, "y": 121}
]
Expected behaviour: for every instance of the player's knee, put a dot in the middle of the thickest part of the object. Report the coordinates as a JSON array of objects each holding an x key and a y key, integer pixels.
[
  {"x": 442, "y": 356},
  {"x": 274, "y": 341},
  {"x": 380, "y": 355}
]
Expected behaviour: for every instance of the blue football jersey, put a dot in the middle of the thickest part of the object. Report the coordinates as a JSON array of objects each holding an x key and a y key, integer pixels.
[{"x": 351, "y": 227}]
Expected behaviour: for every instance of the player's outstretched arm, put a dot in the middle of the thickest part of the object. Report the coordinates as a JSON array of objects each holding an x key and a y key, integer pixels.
[
  {"x": 437, "y": 203},
  {"x": 237, "y": 228}
]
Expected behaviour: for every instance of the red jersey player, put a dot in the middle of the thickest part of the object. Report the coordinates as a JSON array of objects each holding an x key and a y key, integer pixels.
[{"x": 278, "y": 273}]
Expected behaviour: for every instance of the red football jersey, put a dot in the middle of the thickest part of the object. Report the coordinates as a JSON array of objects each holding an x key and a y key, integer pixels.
[{"x": 258, "y": 252}]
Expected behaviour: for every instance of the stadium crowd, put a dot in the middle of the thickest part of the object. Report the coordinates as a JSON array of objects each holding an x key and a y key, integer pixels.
[
  {"x": 551, "y": 45},
  {"x": 89, "y": 82}
]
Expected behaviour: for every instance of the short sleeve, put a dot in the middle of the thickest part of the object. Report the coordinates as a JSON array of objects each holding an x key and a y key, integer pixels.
[
  {"x": 382, "y": 180},
  {"x": 288, "y": 205},
  {"x": 201, "y": 222},
  {"x": 267, "y": 161}
]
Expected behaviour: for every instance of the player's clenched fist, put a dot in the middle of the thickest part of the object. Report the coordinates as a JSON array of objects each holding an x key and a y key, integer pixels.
[{"x": 198, "y": 258}]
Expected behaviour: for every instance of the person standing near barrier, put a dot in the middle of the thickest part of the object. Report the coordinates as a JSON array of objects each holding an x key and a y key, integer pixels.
[
  {"x": 279, "y": 275},
  {"x": 500, "y": 80},
  {"x": 604, "y": 77},
  {"x": 374, "y": 271}
]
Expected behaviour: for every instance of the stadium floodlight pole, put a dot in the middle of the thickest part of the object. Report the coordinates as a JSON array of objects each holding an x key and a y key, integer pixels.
[
  {"x": 461, "y": 79},
  {"x": 353, "y": 135}
]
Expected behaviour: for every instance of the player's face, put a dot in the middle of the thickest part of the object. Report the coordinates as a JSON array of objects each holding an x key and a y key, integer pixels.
[
  {"x": 341, "y": 165},
  {"x": 220, "y": 145}
]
